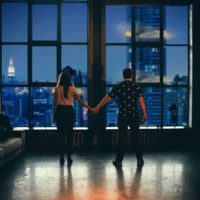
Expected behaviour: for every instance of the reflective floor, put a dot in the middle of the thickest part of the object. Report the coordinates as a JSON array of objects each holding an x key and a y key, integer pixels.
[{"x": 165, "y": 176}]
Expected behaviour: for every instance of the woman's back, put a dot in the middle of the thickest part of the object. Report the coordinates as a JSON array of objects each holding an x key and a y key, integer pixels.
[{"x": 59, "y": 95}]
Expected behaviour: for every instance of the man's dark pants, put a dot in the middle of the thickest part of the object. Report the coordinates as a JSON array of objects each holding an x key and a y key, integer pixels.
[{"x": 123, "y": 123}]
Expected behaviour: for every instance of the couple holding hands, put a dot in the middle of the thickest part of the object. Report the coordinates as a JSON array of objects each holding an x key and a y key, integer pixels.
[{"x": 128, "y": 94}]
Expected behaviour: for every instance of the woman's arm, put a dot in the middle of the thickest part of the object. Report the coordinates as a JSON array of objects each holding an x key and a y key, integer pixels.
[{"x": 82, "y": 102}]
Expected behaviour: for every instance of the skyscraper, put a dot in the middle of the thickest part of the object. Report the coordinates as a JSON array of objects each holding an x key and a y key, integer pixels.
[
  {"x": 146, "y": 60},
  {"x": 11, "y": 71}
]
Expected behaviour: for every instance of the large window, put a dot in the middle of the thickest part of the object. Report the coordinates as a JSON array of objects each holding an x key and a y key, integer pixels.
[
  {"x": 38, "y": 39},
  {"x": 153, "y": 41}
]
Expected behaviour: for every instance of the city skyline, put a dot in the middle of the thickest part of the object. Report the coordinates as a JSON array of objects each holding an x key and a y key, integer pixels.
[{"x": 44, "y": 58}]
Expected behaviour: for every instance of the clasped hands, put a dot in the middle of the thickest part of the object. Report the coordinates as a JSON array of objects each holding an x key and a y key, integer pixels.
[{"x": 94, "y": 110}]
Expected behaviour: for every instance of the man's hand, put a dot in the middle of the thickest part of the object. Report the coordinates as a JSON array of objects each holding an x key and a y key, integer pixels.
[
  {"x": 144, "y": 117},
  {"x": 96, "y": 110}
]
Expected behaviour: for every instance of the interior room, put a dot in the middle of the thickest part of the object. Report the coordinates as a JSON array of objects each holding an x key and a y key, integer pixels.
[{"x": 99, "y": 99}]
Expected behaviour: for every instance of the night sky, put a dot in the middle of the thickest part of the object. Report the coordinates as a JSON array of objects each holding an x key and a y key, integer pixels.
[{"x": 74, "y": 29}]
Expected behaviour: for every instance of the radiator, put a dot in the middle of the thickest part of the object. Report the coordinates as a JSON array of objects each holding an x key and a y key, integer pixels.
[{"x": 49, "y": 139}]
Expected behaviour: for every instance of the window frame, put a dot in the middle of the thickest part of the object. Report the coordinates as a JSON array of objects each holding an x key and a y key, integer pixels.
[
  {"x": 30, "y": 43},
  {"x": 161, "y": 45},
  {"x": 93, "y": 56}
]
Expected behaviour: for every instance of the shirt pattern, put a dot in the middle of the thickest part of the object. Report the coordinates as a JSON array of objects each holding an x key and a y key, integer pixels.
[{"x": 126, "y": 93}]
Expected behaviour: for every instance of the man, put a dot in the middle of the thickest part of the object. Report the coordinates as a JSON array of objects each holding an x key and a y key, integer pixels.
[{"x": 128, "y": 115}]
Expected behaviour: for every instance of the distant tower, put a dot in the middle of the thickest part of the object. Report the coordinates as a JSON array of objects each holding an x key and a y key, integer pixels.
[{"x": 11, "y": 71}]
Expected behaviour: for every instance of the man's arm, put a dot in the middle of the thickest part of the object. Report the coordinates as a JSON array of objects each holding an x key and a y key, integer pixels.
[
  {"x": 143, "y": 107},
  {"x": 101, "y": 104}
]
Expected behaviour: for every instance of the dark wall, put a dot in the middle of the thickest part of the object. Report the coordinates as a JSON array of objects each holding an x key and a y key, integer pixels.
[{"x": 196, "y": 71}]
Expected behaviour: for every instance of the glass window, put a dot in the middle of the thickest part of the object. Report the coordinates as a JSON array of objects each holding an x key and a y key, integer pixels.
[
  {"x": 15, "y": 105},
  {"x": 81, "y": 113},
  {"x": 76, "y": 57},
  {"x": 44, "y": 22},
  {"x": 74, "y": 22},
  {"x": 44, "y": 64},
  {"x": 42, "y": 105},
  {"x": 14, "y": 22},
  {"x": 152, "y": 97},
  {"x": 148, "y": 65},
  {"x": 14, "y": 64},
  {"x": 118, "y": 24},
  {"x": 117, "y": 58},
  {"x": 175, "y": 106},
  {"x": 176, "y": 24},
  {"x": 147, "y": 24},
  {"x": 176, "y": 65}
]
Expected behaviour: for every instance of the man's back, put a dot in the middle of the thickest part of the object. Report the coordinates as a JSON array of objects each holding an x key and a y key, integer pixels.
[{"x": 127, "y": 93}]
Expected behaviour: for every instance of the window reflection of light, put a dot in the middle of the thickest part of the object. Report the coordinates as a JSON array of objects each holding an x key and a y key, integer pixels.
[
  {"x": 149, "y": 34},
  {"x": 79, "y": 91},
  {"x": 166, "y": 35},
  {"x": 128, "y": 34},
  {"x": 173, "y": 171}
]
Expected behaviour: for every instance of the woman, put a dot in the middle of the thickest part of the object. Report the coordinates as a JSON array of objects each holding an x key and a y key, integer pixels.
[{"x": 65, "y": 93}]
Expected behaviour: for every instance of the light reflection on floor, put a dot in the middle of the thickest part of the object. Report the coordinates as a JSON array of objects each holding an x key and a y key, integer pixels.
[{"x": 92, "y": 177}]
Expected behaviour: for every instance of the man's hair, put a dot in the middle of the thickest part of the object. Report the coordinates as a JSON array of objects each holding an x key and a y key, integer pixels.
[{"x": 127, "y": 73}]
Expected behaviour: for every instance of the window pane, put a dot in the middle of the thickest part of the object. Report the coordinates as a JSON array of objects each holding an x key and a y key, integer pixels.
[
  {"x": 148, "y": 65},
  {"x": 44, "y": 64},
  {"x": 43, "y": 101},
  {"x": 76, "y": 57},
  {"x": 111, "y": 111},
  {"x": 44, "y": 22},
  {"x": 147, "y": 24},
  {"x": 81, "y": 113},
  {"x": 74, "y": 22},
  {"x": 14, "y": 22},
  {"x": 118, "y": 24},
  {"x": 176, "y": 65},
  {"x": 14, "y": 64},
  {"x": 117, "y": 58},
  {"x": 152, "y": 97},
  {"x": 175, "y": 106},
  {"x": 15, "y": 105},
  {"x": 176, "y": 24},
  {"x": 42, "y": 105}
]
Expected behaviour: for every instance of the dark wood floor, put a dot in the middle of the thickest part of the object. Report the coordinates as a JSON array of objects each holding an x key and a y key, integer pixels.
[{"x": 165, "y": 176}]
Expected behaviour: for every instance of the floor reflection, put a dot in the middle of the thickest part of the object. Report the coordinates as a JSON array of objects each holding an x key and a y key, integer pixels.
[{"x": 93, "y": 177}]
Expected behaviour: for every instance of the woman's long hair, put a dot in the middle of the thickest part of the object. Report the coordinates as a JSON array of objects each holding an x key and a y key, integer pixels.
[{"x": 65, "y": 81}]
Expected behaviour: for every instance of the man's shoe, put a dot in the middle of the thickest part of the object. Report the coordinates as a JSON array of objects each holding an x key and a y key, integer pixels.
[
  {"x": 62, "y": 160},
  {"x": 69, "y": 162},
  {"x": 117, "y": 164},
  {"x": 140, "y": 162}
]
